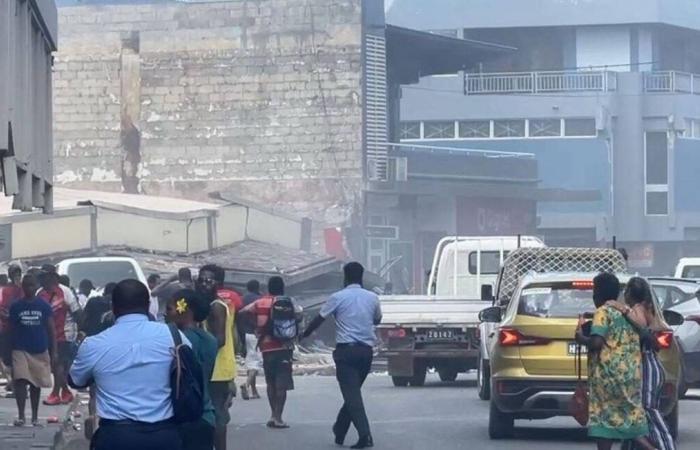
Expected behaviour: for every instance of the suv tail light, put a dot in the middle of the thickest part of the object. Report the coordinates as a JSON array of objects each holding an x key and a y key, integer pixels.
[
  {"x": 664, "y": 339},
  {"x": 509, "y": 337}
]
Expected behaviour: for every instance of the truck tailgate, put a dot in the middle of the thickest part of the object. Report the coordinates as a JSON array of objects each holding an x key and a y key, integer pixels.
[{"x": 426, "y": 310}]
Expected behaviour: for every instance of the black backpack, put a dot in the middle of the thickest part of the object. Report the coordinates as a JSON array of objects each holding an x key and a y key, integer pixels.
[
  {"x": 283, "y": 324},
  {"x": 186, "y": 382}
]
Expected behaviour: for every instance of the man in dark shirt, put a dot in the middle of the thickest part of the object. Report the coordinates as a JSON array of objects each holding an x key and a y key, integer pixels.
[
  {"x": 167, "y": 289},
  {"x": 33, "y": 336}
]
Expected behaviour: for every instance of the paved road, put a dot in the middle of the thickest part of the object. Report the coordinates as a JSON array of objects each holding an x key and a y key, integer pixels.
[{"x": 436, "y": 417}]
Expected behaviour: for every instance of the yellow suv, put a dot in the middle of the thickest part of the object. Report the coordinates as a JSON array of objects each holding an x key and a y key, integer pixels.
[{"x": 533, "y": 372}]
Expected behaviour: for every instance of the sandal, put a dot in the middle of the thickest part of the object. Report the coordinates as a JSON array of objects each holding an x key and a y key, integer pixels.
[
  {"x": 18, "y": 423},
  {"x": 36, "y": 424},
  {"x": 279, "y": 426},
  {"x": 244, "y": 392}
]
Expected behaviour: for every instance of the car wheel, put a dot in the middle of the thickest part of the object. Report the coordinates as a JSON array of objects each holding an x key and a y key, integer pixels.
[
  {"x": 448, "y": 374},
  {"x": 682, "y": 383},
  {"x": 483, "y": 379},
  {"x": 672, "y": 422},
  {"x": 419, "y": 373},
  {"x": 400, "y": 381},
  {"x": 501, "y": 425}
]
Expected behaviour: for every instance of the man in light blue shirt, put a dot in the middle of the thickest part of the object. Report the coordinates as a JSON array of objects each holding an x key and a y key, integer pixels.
[
  {"x": 356, "y": 312},
  {"x": 130, "y": 363}
]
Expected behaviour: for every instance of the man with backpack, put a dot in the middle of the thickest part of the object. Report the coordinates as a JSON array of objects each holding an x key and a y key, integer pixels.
[
  {"x": 276, "y": 323},
  {"x": 131, "y": 365}
]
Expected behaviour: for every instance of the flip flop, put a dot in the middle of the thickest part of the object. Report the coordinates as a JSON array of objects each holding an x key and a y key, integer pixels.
[
  {"x": 18, "y": 423},
  {"x": 279, "y": 426},
  {"x": 270, "y": 424},
  {"x": 36, "y": 424}
]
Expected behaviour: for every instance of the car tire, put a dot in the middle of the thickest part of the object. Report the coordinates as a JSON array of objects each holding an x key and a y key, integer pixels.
[
  {"x": 419, "y": 373},
  {"x": 483, "y": 379},
  {"x": 400, "y": 381},
  {"x": 448, "y": 375},
  {"x": 672, "y": 422},
  {"x": 501, "y": 425},
  {"x": 682, "y": 383}
]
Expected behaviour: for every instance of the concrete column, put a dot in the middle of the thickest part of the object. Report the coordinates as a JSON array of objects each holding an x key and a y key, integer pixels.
[
  {"x": 130, "y": 70},
  {"x": 628, "y": 159}
]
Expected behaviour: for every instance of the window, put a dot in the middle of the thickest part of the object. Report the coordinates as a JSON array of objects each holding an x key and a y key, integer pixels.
[
  {"x": 508, "y": 128},
  {"x": 693, "y": 128},
  {"x": 409, "y": 130},
  {"x": 656, "y": 158},
  {"x": 545, "y": 127},
  {"x": 475, "y": 129},
  {"x": 439, "y": 130},
  {"x": 691, "y": 272},
  {"x": 490, "y": 262},
  {"x": 579, "y": 127},
  {"x": 656, "y": 173},
  {"x": 657, "y": 203}
]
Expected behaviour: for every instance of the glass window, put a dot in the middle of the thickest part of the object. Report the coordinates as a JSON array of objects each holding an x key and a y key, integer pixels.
[
  {"x": 490, "y": 262},
  {"x": 101, "y": 273},
  {"x": 409, "y": 130},
  {"x": 657, "y": 203},
  {"x": 475, "y": 129},
  {"x": 545, "y": 127},
  {"x": 657, "y": 157},
  {"x": 508, "y": 128},
  {"x": 696, "y": 129},
  {"x": 691, "y": 272},
  {"x": 439, "y": 130},
  {"x": 579, "y": 127},
  {"x": 555, "y": 302}
]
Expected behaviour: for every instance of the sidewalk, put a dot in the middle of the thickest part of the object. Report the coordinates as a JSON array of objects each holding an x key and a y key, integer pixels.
[{"x": 28, "y": 437}]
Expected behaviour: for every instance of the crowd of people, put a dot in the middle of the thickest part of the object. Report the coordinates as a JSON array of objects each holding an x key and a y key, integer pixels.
[
  {"x": 625, "y": 375},
  {"x": 120, "y": 342}
]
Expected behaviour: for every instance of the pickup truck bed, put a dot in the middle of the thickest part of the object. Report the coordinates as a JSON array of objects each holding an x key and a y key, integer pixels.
[{"x": 420, "y": 332}]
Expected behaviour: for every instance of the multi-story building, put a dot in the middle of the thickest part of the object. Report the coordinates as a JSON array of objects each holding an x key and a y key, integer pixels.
[{"x": 604, "y": 93}]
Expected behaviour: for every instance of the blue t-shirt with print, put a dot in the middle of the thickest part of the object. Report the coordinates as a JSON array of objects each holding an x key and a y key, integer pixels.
[{"x": 29, "y": 318}]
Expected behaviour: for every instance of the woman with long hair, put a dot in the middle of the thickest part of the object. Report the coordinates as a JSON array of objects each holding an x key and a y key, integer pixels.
[{"x": 639, "y": 310}]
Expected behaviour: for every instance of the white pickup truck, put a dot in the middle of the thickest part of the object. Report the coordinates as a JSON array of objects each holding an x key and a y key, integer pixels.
[{"x": 440, "y": 330}]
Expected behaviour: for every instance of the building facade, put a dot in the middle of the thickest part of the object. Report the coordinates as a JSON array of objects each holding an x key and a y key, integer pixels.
[
  {"x": 28, "y": 37},
  {"x": 260, "y": 99},
  {"x": 603, "y": 93}
]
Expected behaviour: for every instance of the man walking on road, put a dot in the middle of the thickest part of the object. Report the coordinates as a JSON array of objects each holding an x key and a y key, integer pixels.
[
  {"x": 130, "y": 364},
  {"x": 356, "y": 312},
  {"x": 277, "y": 354},
  {"x": 66, "y": 315}
]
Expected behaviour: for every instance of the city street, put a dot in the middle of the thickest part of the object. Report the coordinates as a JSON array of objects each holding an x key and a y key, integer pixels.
[{"x": 436, "y": 417}]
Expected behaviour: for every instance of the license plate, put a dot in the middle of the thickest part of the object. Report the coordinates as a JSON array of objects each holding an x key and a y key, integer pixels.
[
  {"x": 439, "y": 334},
  {"x": 572, "y": 348}
]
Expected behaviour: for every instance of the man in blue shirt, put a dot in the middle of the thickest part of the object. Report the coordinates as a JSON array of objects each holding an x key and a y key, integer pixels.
[
  {"x": 356, "y": 312},
  {"x": 130, "y": 365}
]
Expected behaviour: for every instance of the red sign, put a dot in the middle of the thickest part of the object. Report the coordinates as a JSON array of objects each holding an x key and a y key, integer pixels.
[{"x": 495, "y": 216}]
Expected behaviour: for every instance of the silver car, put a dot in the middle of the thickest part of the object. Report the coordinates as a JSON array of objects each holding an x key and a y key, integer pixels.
[{"x": 683, "y": 296}]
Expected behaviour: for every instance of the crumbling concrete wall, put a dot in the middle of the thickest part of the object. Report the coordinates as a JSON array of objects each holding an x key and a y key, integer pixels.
[{"x": 258, "y": 97}]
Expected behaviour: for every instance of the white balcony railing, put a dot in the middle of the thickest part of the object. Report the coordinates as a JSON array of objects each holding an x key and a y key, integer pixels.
[
  {"x": 672, "y": 81},
  {"x": 539, "y": 82}
]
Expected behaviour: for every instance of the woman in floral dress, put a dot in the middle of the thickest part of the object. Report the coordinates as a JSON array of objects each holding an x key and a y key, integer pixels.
[{"x": 614, "y": 372}]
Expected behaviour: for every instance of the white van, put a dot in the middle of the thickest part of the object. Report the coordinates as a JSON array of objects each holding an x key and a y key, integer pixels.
[
  {"x": 688, "y": 268},
  {"x": 462, "y": 265},
  {"x": 100, "y": 270}
]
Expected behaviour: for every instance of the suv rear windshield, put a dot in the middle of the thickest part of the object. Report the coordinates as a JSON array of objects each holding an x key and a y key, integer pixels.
[
  {"x": 555, "y": 301},
  {"x": 101, "y": 273}
]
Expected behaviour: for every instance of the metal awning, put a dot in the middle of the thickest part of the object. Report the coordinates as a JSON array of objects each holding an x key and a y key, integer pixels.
[{"x": 412, "y": 54}]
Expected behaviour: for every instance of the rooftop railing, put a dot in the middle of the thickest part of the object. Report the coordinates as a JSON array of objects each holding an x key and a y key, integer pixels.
[{"x": 540, "y": 82}]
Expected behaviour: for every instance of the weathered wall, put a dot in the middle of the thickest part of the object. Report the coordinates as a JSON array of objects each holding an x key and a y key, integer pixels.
[{"x": 258, "y": 97}]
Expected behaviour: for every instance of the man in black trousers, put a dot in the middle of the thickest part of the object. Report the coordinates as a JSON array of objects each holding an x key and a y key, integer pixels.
[{"x": 356, "y": 312}]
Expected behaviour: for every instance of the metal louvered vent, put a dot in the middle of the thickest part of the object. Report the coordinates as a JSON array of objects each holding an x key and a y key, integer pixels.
[
  {"x": 375, "y": 123},
  {"x": 555, "y": 259}
]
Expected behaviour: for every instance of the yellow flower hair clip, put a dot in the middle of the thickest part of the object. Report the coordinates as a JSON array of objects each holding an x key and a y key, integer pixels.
[{"x": 181, "y": 306}]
